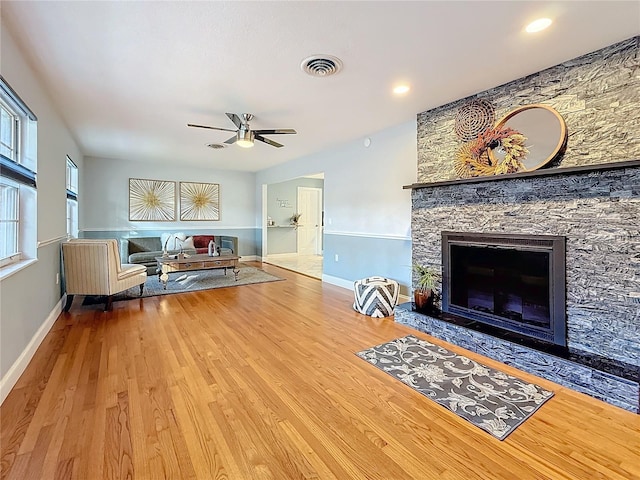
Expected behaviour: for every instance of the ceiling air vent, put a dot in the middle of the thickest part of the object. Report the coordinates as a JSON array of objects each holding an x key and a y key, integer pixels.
[
  {"x": 321, "y": 65},
  {"x": 216, "y": 146}
]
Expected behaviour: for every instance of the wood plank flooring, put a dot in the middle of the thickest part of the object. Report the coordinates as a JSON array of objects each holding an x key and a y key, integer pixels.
[{"x": 261, "y": 382}]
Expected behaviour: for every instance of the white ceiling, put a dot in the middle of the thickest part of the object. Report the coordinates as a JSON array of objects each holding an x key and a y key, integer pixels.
[{"x": 128, "y": 76}]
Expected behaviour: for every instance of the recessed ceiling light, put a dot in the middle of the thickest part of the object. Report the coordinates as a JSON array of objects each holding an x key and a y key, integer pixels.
[
  {"x": 401, "y": 89},
  {"x": 538, "y": 25}
]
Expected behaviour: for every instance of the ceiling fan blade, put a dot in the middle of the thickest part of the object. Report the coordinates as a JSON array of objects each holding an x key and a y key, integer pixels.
[
  {"x": 268, "y": 141},
  {"x": 210, "y": 128},
  {"x": 232, "y": 140},
  {"x": 235, "y": 119},
  {"x": 276, "y": 131}
]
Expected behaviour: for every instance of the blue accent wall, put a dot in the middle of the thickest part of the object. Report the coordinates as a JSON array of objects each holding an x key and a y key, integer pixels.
[{"x": 361, "y": 256}]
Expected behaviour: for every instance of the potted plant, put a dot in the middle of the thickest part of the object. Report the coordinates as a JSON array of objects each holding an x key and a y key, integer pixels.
[
  {"x": 295, "y": 218},
  {"x": 423, "y": 294}
]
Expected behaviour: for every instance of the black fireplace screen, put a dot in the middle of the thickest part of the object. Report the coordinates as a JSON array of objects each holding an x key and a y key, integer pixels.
[{"x": 513, "y": 282}]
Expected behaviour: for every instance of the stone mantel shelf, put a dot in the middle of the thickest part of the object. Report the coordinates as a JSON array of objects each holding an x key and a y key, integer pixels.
[{"x": 536, "y": 173}]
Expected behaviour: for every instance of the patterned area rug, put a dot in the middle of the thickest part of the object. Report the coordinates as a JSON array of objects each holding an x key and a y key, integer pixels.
[
  {"x": 192, "y": 281},
  {"x": 494, "y": 401}
]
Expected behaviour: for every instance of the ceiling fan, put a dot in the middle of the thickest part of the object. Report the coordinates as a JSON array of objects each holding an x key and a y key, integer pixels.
[{"x": 244, "y": 136}]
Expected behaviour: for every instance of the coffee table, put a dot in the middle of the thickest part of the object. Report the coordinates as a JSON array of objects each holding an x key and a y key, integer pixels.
[{"x": 173, "y": 263}]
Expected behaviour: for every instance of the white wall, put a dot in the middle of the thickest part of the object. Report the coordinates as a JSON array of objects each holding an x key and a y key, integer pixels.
[
  {"x": 30, "y": 298},
  {"x": 105, "y": 194},
  {"x": 367, "y": 212}
]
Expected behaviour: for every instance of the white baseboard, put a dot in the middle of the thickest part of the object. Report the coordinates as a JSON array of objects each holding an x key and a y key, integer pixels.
[
  {"x": 403, "y": 299},
  {"x": 250, "y": 258},
  {"x": 13, "y": 374},
  {"x": 340, "y": 282}
]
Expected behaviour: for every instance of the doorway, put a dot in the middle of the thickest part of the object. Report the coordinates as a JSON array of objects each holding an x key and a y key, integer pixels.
[{"x": 294, "y": 247}]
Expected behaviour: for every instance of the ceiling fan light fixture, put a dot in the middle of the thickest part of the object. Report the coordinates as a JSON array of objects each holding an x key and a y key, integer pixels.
[
  {"x": 245, "y": 138},
  {"x": 243, "y": 135}
]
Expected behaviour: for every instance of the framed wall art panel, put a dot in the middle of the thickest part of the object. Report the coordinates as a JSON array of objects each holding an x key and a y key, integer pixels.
[
  {"x": 152, "y": 200},
  {"x": 199, "y": 201}
]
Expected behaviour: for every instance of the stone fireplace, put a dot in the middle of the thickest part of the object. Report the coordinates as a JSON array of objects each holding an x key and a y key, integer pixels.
[{"x": 590, "y": 197}]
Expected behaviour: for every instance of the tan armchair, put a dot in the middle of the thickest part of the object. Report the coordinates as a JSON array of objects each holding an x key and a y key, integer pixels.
[{"x": 92, "y": 267}]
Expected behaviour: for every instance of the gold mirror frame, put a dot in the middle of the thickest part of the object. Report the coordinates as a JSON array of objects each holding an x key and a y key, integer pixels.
[{"x": 562, "y": 140}]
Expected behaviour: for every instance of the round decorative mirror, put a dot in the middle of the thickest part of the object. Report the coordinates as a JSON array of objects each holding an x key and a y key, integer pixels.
[{"x": 545, "y": 132}]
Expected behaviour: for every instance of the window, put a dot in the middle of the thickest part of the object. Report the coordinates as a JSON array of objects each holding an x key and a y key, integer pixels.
[
  {"x": 9, "y": 138},
  {"x": 72, "y": 198},
  {"x": 18, "y": 138},
  {"x": 9, "y": 219}
]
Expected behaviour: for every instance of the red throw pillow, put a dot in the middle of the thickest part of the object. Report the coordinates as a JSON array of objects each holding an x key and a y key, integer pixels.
[{"x": 202, "y": 241}]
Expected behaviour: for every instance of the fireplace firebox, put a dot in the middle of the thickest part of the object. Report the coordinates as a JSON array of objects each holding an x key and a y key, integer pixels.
[{"x": 511, "y": 282}]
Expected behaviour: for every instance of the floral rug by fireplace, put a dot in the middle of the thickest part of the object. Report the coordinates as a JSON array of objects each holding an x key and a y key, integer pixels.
[{"x": 494, "y": 401}]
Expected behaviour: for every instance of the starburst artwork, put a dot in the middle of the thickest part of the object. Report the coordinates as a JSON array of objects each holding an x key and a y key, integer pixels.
[
  {"x": 152, "y": 200},
  {"x": 199, "y": 201}
]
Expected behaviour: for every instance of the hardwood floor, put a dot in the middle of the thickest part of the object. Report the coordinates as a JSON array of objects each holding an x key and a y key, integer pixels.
[{"x": 261, "y": 382}]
